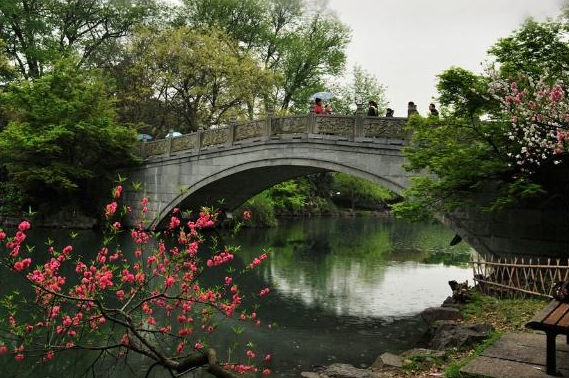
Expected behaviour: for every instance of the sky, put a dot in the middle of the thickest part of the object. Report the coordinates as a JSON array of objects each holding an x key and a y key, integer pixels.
[{"x": 406, "y": 43}]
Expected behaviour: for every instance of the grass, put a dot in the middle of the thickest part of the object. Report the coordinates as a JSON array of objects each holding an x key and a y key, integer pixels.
[{"x": 503, "y": 314}]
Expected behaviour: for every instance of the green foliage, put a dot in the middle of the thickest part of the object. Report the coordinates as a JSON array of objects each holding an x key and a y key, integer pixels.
[
  {"x": 363, "y": 87},
  {"x": 460, "y": 156},
  {"x": 204, "y": 77},
  {"x": 463, "y": 156},
  {"x": 298, "y": 45},
  {"x": 423, "y": 362},
  {"x": 12, "y": 200},
  {"x": 290, "y": 196},
  {"x": 532, "y": 49},
  {"x": 62, "y": 135},
  {"x": 262, "y": 210},
  {"x": 359, "y": 191},
  {"x": 464, "y": 93},
  {"x": 38, "y": 33}
]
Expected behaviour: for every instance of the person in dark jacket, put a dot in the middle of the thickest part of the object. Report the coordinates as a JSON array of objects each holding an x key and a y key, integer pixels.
[
  {"x": 433, "y": 110},
  {"x": 372, "y": 109}
]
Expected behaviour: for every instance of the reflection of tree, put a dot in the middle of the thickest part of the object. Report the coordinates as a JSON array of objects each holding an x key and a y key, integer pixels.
[{"x": 327, "y": 262}]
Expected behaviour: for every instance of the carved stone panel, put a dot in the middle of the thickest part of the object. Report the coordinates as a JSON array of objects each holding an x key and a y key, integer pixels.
[
  {"x": 215, "y": 136},
  {"x": 250, "y": 129},
  {"x": 375, "y": 127},
  {"x": 335, "y": 125},
  {"x": 289, "y": 125},
  {"x": 185, "y": 142},
  {"x": 158, "y": 147}
]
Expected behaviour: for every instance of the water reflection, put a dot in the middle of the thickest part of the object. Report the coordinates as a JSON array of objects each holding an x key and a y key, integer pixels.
[
  {"x": 360, "y": 267},
  {"x": 342, "y": 290}
]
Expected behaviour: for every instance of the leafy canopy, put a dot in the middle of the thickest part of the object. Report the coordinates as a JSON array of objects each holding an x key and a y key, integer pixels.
[{"x": 62, "y": 135}]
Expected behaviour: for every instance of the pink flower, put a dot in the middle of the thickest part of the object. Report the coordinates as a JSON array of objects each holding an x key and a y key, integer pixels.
[
  {"x": 120, "y": 295},
  {"x": 250, "y": 354},
  {"x": 2, "y": 235},
  {"x": 19, "y": 357},
  {"x": 117, "y": 191},
  {"x": 3, "y": 349},
  {"x": 267, "y": 372},
  {"x": 180, "y": 347},
  {"x": 198, "y": 346},
  {"x": 48, "y": 356},
  {"x": 228, "y": 280},
  {"x": 267, "y": 358},
  {"x": 24, "y": 225},
  {"x": 117, "y": 225},
  {"x": 174, "y": 222},
  {"x": 111, "y": 209},
  {"x": 246, "y": 215}
]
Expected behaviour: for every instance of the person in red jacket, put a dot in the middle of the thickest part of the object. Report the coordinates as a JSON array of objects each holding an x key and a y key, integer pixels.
[{"x": 318, "y": 107}]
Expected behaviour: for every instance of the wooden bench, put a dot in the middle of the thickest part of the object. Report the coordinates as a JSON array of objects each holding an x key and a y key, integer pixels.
[{"x": 553, "y": 320}]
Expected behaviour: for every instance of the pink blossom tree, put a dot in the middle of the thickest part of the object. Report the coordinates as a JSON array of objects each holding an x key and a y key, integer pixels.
[
  {"x": 539, "y": 114},
  {"x": 149, "y": 301}
]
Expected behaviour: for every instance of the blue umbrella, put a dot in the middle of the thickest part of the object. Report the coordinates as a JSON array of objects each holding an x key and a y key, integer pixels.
[{"x": 324, "y": 96}]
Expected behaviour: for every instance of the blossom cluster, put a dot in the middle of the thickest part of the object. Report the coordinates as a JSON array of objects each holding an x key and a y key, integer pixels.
[
  {"x": 155, "y": 290},
  {"x": 539, "y": 115}
]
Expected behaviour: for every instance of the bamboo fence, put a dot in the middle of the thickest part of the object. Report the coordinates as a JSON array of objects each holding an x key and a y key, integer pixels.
[{"x": 518, "y": 276}]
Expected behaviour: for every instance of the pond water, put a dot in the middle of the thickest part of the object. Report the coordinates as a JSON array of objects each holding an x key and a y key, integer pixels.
[{"x": 342, "y": 290}]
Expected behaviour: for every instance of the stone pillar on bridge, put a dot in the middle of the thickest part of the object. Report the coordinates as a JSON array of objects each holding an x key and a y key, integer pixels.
[
  {"x": 231, "y": 131},
  {"x": 269, "y": 126},
  {"x": 359, "y": 123},
  {"x": 169, "y": 142},
  {"x": 311, "y": 119}
]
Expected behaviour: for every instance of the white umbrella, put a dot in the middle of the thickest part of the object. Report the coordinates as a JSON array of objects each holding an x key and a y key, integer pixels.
[
  {"x": 324, "y": 96},
  {"x": 173, "y": 134}
]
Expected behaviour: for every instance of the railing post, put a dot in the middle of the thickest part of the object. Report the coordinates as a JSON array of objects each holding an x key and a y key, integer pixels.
[
  {"x": 169, "y": 144},
  {"x": 269, "y": 127},
  {"x": 231, "y": 131},
  {"x": 359, "y": 122},
  {"x": 200, "y": 138},
  {"x": 411, "y": 109},
  {"x": 311, "y": 119}
]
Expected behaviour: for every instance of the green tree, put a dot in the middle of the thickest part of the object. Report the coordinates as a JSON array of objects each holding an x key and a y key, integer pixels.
[
  {"x": 465, "y": 157},
  {"x": 362, "y": 86},
  {"x": 301, "y": 47},
  {"x": 38, "y": 32},
  {"x": 62, "y": 136},
  {"x": 202, "y": 77},
  {"x": 532, "y": 49}
]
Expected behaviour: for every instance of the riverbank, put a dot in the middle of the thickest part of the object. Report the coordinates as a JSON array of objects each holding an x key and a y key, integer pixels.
[
  {"x": 504, "y": 315},
  {"x": 496, "y": 316}
]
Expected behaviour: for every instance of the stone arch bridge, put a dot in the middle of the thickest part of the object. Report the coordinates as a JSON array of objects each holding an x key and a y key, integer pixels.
[{"x": 228, "y": 165}]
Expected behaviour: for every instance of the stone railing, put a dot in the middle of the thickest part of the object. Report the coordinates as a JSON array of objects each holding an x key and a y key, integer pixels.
[{"x": 357, "y": 128}]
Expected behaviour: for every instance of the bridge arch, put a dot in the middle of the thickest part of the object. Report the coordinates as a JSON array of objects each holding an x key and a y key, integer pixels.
[{"x": 267, "y": 173}]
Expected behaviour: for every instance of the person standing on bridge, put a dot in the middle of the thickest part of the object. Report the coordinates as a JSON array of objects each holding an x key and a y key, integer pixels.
[
  {"x": 389, "y": 112},
  {"x": 318, "y": 107},
  {"x": 372, "y": 109},
  {"x": 433, "y": 110},
  {"x": 328, "y": 109}
]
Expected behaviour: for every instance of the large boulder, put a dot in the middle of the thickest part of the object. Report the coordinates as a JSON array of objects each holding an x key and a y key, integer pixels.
[
  {"x": 453, "y": 335},
  {"x": 433, "y": 314}
]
